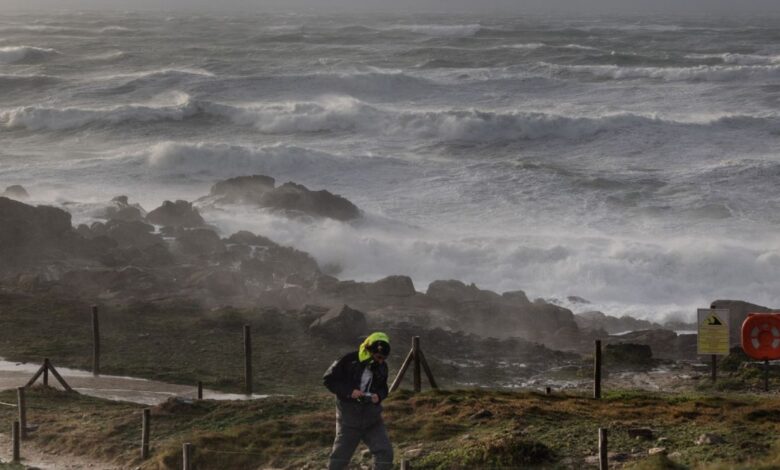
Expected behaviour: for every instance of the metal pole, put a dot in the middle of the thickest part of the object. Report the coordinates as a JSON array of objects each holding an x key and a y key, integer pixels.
[
  {"x": 714, "y": 368},
  {"x": 46, "y": 372},
  {"x": 200, "y": 390},
  {"x": 248, "y": 359},
  {"x": 95, "y": 341}
]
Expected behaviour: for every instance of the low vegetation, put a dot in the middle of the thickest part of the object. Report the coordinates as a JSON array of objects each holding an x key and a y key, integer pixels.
[{"x": 436, "y": 430}]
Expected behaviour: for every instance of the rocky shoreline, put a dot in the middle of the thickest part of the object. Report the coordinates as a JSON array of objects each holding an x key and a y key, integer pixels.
[{"x": 171, "y": 254}]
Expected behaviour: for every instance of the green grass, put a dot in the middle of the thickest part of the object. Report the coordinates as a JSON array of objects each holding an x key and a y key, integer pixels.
[{"x": 524, "y": 430}]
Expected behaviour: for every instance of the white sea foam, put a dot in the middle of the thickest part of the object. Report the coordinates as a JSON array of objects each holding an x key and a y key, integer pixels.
[
  {"x": 37, "y": 118},
  {"x": 441, "y": 30},
  {"x": 722, "y": 73},
  {"x": 14, "y": 54},
  {"x": 739, "y": 59}
]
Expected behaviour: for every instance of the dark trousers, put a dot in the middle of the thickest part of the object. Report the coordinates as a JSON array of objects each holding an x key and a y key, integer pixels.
[{"x": 357, "y": 422}]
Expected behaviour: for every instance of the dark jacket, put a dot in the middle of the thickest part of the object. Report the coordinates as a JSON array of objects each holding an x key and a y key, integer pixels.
[{"x": 344, "y": 375}]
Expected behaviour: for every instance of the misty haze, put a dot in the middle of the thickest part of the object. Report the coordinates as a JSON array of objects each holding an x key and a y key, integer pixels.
[{"x": 238, "y": 195}]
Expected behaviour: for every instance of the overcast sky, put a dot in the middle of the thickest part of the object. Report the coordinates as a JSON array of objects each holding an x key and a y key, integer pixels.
[{"x": 671, "y": 7}]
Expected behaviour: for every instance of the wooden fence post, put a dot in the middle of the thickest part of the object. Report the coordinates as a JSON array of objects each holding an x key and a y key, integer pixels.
[
  {"x": 548, "y": 391},
  {"x": 145, "y": 422},
  {"x": 248, "y": 359},
  {"x": 416, "y": 352},
  {"x": 186, "y": 456},
  {"x": 405, "y": 465},
  {"x": 46, "y": 372},
  {"x": 16, "y": 438},
  {"x": 95, "y": 341},
  {"x": 21, "y": 403},
  {"x": 597, "y": 371},
  {"x": 200, "y": 390},
  {"x": 603, "y": 462}
]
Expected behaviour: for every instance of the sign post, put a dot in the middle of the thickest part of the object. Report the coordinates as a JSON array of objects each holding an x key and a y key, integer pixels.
[{"x": 713, "y": 338}]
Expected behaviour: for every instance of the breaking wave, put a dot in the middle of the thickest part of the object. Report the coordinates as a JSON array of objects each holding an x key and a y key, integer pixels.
[
  {"x": 338, "y": 114},
  {"x": 16, "y": 54},
  {"x": 715, "y": 73}
]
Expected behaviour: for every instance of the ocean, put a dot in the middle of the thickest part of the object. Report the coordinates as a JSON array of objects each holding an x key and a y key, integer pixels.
[{"x": 629, "y": 161}]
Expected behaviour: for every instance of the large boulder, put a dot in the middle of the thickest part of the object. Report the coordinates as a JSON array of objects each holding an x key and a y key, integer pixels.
[
  {"x": 121, "y": 209},
  {"x": 665, "y": 343},
  {"x": 128, "y": 233},
  {"x": 16, "y": 192},
  {"x": 199, "y": 242},
  {"x": 738, "y": 311},
  {"x": 391, "y": 286},
  {"x": 628, "y": 355},
  {"x": 291, "y": 198},
  {"x": 296, "y": 198},
  {"x": 176, "y": 214},
  {"x": 27, "y": 232},
  {"x": 342, "y": 324},
  {"x": 242, "y": 189}
]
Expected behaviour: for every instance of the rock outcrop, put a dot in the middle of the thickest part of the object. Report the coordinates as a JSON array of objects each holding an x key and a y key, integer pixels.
[
  {"x": 600, "y": 321},
  {"x": 121, "y": 209},
  {"x": 342, "y": 324},
  {"x": 290, "y": 198},
  {"x": 176, "y": 214},
  {"x": 15, "y": 192}
]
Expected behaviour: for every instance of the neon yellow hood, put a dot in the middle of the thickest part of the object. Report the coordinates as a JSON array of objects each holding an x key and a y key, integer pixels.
[{"x": 363, "y": 353}]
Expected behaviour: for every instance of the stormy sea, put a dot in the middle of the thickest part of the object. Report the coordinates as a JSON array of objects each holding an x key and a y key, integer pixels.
[{"x": 632, "y": 162}]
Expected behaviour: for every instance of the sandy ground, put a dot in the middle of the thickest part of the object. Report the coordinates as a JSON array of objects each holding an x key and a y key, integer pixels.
[{"x": 32, "y": 457}]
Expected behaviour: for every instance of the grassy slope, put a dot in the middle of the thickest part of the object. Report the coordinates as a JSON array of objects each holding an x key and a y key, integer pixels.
[{"x": 526, "y": 430}]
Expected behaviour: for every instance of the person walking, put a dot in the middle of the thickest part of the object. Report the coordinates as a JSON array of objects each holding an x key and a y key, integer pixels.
[{"x": 359, "y": 381}]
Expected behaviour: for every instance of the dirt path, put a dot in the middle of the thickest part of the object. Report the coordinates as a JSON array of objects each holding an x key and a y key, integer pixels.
[
  {"x": 32, "y": 457},
  {"x": 142, "y": 391}
]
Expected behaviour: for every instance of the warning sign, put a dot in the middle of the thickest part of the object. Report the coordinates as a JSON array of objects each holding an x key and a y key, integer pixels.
[{"x": 713, "y": 335}]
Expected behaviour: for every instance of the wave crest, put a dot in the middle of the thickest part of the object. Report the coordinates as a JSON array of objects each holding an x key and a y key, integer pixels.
[{"x": 17, "y": 54}]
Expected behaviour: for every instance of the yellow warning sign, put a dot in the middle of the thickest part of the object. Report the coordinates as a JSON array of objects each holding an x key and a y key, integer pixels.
[{"x": 713, "y": 335}]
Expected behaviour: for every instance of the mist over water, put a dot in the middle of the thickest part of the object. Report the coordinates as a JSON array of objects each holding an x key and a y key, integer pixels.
[{"x": 629, "y": 161}]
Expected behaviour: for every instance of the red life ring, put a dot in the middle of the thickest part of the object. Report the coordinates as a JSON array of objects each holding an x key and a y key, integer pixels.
[{"x": 761, "y": 336}]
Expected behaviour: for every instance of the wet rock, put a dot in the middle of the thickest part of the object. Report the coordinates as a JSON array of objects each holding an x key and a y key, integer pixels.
[
  {"x": 128, "y": 234},
  {"x": 176, "y": 214},
  {"x": 392, "y": 286},
  {"x": 292, "y": 198},
  {"x": 628, "y": 355},
  {"x": 342, "y": 324},
  {"x": 663, "y": 343},
  {"x": 199, "y": 242},
  {"x": 298, "y": 198},
  {"x": 15, "y": 192},
  {"x": 242, "y": 189},
  {"x": 121, "y": 209}
]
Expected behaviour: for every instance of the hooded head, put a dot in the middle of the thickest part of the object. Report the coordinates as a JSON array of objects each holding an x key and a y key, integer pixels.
[{"x": 376, "y": 343}]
